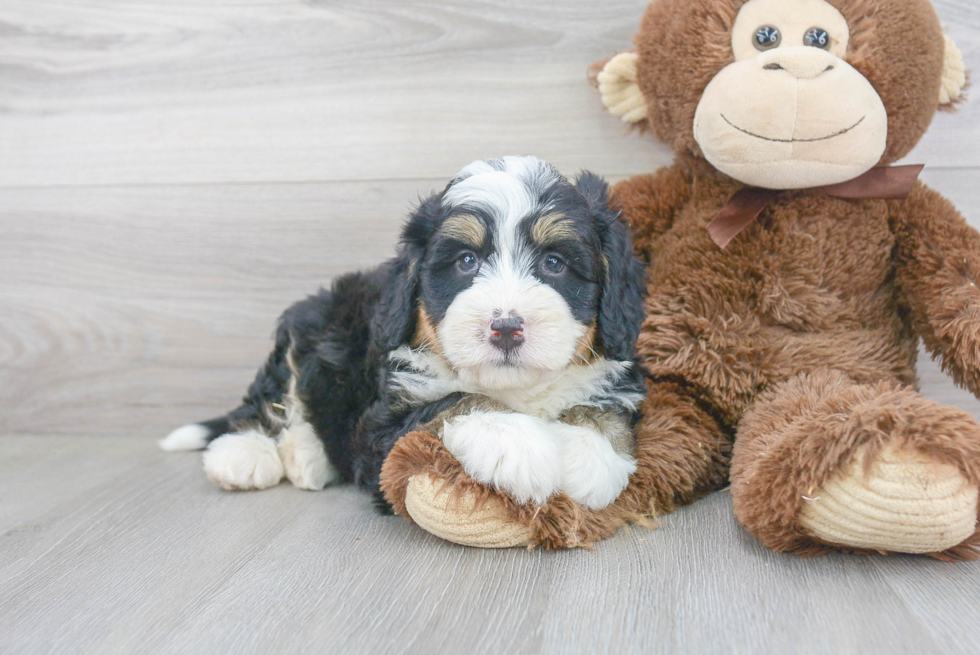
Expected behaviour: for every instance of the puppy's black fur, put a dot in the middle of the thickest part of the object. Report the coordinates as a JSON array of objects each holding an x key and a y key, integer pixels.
[{"x": 337, "y": 342}]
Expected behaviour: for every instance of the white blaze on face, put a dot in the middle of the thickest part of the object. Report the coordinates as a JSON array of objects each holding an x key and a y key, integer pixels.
[
  {"x": 792, "y": 116},
  {"x": 505, "y": 285}
]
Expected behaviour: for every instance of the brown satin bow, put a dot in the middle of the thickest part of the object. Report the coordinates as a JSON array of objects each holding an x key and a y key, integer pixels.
[{"x": 886, "y": 182}]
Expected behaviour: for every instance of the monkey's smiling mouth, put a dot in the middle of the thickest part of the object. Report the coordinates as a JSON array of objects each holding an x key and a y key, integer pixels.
[{"x": 766, "y": 138}]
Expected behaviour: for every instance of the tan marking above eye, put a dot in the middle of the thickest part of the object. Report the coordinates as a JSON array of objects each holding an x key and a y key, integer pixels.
[
  {"x": 551, "y": 228},
  {"x": 466, "y": 228}
]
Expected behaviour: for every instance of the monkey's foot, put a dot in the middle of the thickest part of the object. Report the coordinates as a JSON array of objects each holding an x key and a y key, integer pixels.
[
  {"x": 462, "y": 518},
  {"x": 903, "y": 501}
]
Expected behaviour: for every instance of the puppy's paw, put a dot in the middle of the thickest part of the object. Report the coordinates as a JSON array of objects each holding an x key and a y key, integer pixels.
[
  {"x": 305, "y": 459},
  {"x": 245, "y": 460},
  {"x": 516, "y": 453},
  {"x": 593, "y": 473}
]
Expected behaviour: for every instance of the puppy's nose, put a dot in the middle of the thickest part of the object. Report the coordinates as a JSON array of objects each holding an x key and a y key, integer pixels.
[{"x": 507, "y": 333}]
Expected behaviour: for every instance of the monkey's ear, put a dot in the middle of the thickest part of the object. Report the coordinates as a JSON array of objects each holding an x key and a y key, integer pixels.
[
  {"x": 954, "y": 76},
  {"x": 616, "y": 79}
]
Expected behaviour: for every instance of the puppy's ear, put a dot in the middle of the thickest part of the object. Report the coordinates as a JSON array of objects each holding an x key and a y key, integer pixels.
[
  {"x": 395, "y": 318},
  {"x": 623, "y": 282}
]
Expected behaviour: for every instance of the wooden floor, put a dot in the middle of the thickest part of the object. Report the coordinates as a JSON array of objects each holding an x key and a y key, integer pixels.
[{"x": 172, "y": 174}]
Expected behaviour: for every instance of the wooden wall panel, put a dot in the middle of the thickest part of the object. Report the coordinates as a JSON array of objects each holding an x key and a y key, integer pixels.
[{"x": 174, "y": 174}]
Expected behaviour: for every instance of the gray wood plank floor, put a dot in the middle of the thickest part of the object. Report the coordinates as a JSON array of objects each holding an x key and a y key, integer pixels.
[{"x": 172, "y": 174}]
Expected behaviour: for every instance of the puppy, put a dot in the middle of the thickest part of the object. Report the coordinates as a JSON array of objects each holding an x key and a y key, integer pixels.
[{"x": 506, "y": 325}]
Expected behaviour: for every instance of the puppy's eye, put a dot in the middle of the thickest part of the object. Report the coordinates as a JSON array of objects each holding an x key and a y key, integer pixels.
[
  {"x": 468, "y": 262},
  {"x": 766, "y": 37},
  {"x": 552, "y": 264},
  {"x": 817, "y": 37}
]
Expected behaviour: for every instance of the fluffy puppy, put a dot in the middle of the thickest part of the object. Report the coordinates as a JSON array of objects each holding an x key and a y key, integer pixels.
[{"x": 506, "y": 324}]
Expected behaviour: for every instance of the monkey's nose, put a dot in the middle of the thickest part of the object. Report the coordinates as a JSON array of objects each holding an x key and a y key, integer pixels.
[
  {"x": 800, "y": 61},
  {"x": 507, "y": 333}
]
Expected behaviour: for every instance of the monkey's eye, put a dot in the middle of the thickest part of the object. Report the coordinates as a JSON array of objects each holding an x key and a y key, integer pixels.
[
  {"x": 467, "y": 263},
  {"x": 766, "y": 37},
  {"x": 817, "y": 37},
  {"x": 553, "y": 264}
]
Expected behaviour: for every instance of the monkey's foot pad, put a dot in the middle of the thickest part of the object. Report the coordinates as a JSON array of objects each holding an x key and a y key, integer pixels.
[
  {"x": 907, "y": 503},
  {"x": 458, "y": 519}
]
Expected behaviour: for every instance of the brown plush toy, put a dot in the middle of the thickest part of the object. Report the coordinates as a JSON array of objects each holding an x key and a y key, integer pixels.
[{"x": 791, "y": 276}]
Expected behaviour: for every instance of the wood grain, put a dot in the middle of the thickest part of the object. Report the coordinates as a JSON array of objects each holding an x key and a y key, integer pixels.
[
  {"x": 133, "y": 303},
  {"x": 134, "y": 551},
  {"x": 116, "y": 296},
  {"x": 208, "y": 92},
  {"x": 131, "y": 310},
  {"x": 172, "y": 175}
]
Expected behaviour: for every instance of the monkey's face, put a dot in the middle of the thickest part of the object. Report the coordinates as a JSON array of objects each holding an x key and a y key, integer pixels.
[
  {"x": 786, "y": 93},
  {"x": 790, "y": 112}
]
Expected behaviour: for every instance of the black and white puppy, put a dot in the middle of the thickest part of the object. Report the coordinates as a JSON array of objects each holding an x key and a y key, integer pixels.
[{"x": 506, "y": 324}]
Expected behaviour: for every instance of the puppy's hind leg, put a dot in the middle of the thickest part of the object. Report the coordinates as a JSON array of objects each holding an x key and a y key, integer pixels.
[
  {"x": 237, "y": 458},
  {"x": 310, "y": 394},
  {"x": 300, "y": 447},
  {"x": 305, "y": 459},
  {"x": 332, "y": 378},
  {"x": 263, "y": 394},
  {"x": 240, "y": 452}
]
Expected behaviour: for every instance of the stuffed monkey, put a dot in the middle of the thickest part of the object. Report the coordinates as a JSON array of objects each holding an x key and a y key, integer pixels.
[{"x": 791, "y": 273}]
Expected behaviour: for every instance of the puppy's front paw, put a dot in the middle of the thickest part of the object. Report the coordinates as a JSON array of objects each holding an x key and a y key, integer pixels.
[
  {"x": 241, "y": 461},
  {"x": 593, "y": 473},
  {"x": 516, "y": 453}
]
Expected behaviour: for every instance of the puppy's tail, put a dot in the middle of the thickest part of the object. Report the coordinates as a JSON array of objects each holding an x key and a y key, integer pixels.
[{"x": 196, "y": 435}]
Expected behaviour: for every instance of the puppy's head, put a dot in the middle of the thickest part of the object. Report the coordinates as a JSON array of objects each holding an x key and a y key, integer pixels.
[{"x": 513, "y": 273}]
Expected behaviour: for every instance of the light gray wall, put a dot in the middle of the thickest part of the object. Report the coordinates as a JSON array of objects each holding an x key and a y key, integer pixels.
[{"x": 172, "y": 175}]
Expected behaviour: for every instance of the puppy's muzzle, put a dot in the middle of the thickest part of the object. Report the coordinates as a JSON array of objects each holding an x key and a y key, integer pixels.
[{"x": 507, "y": 333}]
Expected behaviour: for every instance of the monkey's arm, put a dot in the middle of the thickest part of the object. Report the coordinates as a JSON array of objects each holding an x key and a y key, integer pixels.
[
  {"x": 937, "y": 261},
  {"x": 649, "y": 203}
]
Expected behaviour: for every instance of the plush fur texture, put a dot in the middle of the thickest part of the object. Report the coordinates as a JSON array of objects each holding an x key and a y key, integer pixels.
[
  {"x": 681, "y": 454},
  {"x": 808, "y": 118},
  {"x": 798, "y": 434},
  {"x": 773, "y": 363},
  {"x": 508, "y": 321},
  {"x": 897, "y": 45},
  {"x": 800, "y": 337},
  {"x": 816, "y": 284}
]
